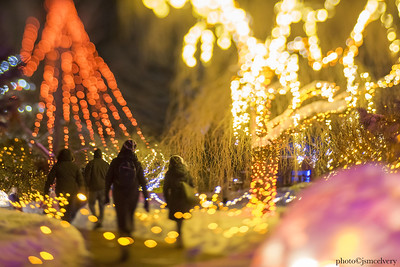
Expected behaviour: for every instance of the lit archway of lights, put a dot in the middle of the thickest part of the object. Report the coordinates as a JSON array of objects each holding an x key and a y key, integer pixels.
[
  {"x": 91, "y": 99},
  {"x": 278, "y": 56}
]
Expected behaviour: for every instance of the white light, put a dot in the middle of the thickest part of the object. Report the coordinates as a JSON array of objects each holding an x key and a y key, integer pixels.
[
  {"x": 22, "y": 83},
  {"x": 177, "y": 3},
  {"x": 305, "y": 262}
]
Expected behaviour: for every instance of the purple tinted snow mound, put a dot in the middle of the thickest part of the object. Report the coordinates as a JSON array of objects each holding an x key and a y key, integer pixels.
[{"x": 355, "y": 215}]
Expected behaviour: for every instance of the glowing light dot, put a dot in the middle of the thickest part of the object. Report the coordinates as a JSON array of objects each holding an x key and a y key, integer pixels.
[
  {"x": 187, "y": 215},
  {"x": 65, "y": 224},
  {"x": 22, "y": 83},
  {"x": 191, "y": 62},
  {"x": 178, "y": 215},
  {"x": 162, "y": 10},
  {"x": 46, "y": 256},
  {"x": 170, "y": 240},
  {"x": 81, "y": 197},
  {"x": 45, "y": 230},
  {"x": 322, "y": 15},
  {"x": 84, "y": 211},
  {"x": 109, "y": 235},
  {"x": 172, "y": 234},
  {"x": 125, "y": 241},
  {"x": 391, "y": 36},
  {"x": 317, "y": 66},
  {"x": 156, "y": 229},
  {"x": 211, "y": 211},
  {"x": 212, "y": 226},
  {"x": 34, "y": 260},
  {"x": 92, "y": 218},
  {"x": 150, "y": 243},
  {"x": 177, "y": 3}
]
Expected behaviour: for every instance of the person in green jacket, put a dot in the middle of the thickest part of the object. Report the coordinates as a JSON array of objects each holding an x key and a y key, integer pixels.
[
  {"x": 69, "y": 180},
  {"x": 174, "y": 194},
  {"x": 95, "y": 178}
]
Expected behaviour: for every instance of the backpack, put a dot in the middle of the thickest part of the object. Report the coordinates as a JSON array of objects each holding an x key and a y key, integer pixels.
[{"x": 126, "y": 176}]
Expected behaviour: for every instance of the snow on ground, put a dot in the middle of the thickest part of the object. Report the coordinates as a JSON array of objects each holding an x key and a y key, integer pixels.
[
  {"x": 24, "y": 240},
  {"x": 219, "y": 233},
  {"x": 352, "y": 219}
]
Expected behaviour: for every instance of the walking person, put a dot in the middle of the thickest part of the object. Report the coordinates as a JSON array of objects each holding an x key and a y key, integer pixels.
[
  {"x": 69, "y": 180},
  {"x": 126, "y": 175},
  {"x": 95, "y": 179},
  {"x": 174, "y": 193}
]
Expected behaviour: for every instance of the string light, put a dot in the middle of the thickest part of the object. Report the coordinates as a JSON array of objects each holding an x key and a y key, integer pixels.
[
  {"x": 83, "y": 76},
  {"x": 278, "y": 56}
]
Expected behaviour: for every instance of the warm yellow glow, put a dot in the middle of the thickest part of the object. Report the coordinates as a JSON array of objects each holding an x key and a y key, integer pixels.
[
  {"x": 177, "y": 3},
  {"x": 277, "y": 58},
  {"x": 34, "y": 260},
  {"x": 108, "y": 235},
  {"x": 84, "y": 212},
  {"x": 391, "y": 36},
  {"x": 212, "y": 226},
  {"x": 156, "y": 229},
  {"x": 170, "y": 240},
  {"x": 65, "y": 224},
  {"x": 125, "y": 241},
  {"x": 150, "y": 243},
  {"x": 172, "y": 234},
  {"x": 178, "y": 215},
  {"x": 81, "y": 197},
  {"x": 46, "y": 256},
  {"x": 187, "y": 215},
  {"x": 45, "y": 230},
  {"x": 92, "y": 218}
]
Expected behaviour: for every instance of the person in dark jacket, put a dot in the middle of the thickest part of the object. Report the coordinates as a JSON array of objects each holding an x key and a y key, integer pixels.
[
  {"x": 69, "y": 180},
  {"x": 95, "y": 179},
  {"x": 126, "y": 194},
  {"x": 173, "y": 192}
]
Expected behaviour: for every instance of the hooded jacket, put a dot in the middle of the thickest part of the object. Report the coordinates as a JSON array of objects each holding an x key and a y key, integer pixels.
[
  {"x": 112, "y": 174},
  {"x": 173, "y": 193},
  {"x": 95, "y": 172},
  {"x": 68, "y": 175}
]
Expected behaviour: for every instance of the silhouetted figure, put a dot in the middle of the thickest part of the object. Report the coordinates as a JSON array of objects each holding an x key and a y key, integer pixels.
[
  {"x": 69, "y": 180},
  {"x": 174, "y": 194},
  {"x": 95, "y": 178},
  {"x": 126, "y": 176}
]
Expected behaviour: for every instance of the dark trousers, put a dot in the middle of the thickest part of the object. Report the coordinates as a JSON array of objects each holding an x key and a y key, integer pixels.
[
  {"x": 72, "y": 208},
  {"x": 100, "y": 198},
  {"x": 125, "y": 205}
]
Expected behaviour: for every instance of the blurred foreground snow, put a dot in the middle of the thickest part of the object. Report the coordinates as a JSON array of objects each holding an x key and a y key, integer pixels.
[
  {"x": 23, "y": 242},
  {"x": 354, "y": 217}
]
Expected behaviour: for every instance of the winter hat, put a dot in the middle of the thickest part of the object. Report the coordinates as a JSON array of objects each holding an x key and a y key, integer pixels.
[
  {"x": 97, "y": 154},
  {"x": 176, "y": 160},
  {"x": 65, "y": 155},
  {"x": 130, "y": 145}
]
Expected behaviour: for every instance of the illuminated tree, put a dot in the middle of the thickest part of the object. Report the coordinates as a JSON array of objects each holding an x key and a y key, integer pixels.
[
  {"x": 302, "y": 71},
  {"x": 21, "y": 166},
  {"x": 75, "y": 78}
]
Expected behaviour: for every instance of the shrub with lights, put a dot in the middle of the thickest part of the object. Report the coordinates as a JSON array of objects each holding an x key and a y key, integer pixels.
[{"x": 21, "y": 166}]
